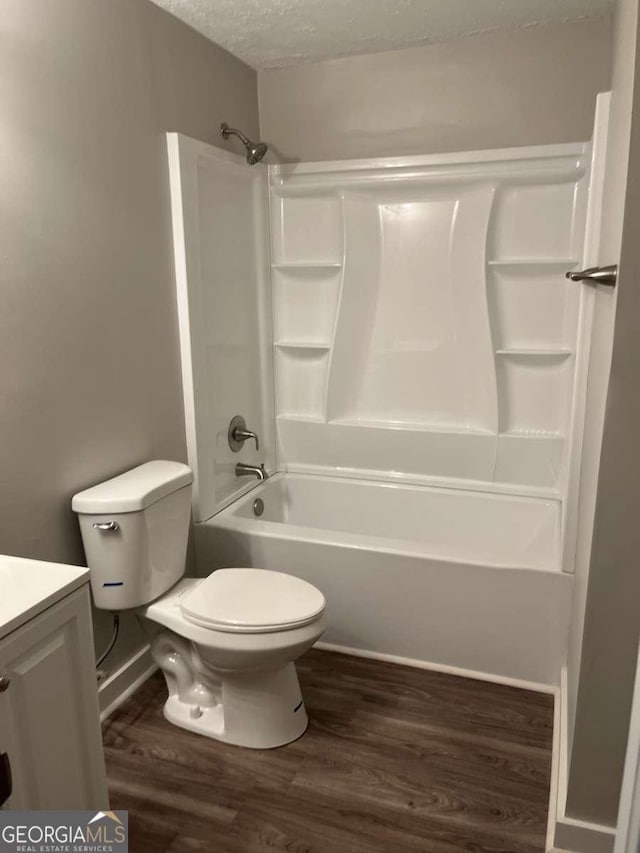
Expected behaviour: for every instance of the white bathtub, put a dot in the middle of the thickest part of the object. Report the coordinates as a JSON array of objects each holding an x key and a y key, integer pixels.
[{"x": 458, "y": 579}]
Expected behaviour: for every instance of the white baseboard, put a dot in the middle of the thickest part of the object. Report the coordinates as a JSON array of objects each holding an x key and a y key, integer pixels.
[
  {"x": 566, "y": 834},
  {"x": 439, "y": 667},
  {"x": 125, "y": 681},
  {"x": 557, "y": 765}
]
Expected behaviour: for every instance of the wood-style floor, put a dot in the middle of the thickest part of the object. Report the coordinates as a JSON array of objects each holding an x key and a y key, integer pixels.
[{"x": 395, "y": 759}]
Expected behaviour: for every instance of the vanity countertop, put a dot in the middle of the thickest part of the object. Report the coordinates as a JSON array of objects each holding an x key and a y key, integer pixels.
[{"x": 29, "y": 586}]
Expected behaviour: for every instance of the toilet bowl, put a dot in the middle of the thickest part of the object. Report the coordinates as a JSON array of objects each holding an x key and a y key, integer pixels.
[
  {"x": 236, "y": 680},
  {"x": 227, "y": 643}
]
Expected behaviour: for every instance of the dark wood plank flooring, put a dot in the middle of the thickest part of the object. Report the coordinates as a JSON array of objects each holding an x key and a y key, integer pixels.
[{"x": 395, "y": 759}]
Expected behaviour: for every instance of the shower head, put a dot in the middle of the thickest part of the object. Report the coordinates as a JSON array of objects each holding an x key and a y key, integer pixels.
[{"x": 255, "y": 150}]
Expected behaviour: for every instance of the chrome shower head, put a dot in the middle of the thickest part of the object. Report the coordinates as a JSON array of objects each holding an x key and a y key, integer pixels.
[{"x": 255, "y": 150}]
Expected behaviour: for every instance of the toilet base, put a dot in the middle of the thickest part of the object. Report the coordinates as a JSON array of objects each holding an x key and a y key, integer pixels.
[{"x": 259, "y": 709}]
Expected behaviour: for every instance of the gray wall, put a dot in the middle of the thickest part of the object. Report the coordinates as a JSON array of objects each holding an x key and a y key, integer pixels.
[
  {"x": 495, "y": 90},
  {"x": 612, "y": 618},
  {"x": 89, "y": 361}
]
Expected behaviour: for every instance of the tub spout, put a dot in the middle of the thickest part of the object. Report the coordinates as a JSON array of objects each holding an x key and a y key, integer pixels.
[{"x": 257, "y": 470}]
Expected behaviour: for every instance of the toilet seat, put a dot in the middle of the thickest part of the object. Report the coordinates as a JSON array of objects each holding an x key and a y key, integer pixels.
[{"x": 252, "y": 601}]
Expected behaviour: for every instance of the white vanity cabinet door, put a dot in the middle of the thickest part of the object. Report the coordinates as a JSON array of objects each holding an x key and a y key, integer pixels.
[{"x": 49, "y": 719}]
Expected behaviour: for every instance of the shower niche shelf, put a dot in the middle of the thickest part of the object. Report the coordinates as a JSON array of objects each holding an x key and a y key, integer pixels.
[
  {"x": 533, "y": 394},
  {"x": 309, "y": 267},
  {"x": 308, "y": 232},
  {"x": 534, "y": 264},
  {"x": 304, "y": 303},
  {"x": 534, "y": 353},
  {"x": 539, "y": 435},
  {"x": 303, "y": 345},
  {"x": 533, "y": 308},
  {"x": 537, "y": 220},
  {"x": 301, "y": 378}
]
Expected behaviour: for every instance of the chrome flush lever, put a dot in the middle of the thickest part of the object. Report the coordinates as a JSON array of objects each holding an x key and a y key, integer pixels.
[
  {"x": 107, "y": 526},
  {"x": 596, "y": 275},
  {"x": 238, "y": 434}
]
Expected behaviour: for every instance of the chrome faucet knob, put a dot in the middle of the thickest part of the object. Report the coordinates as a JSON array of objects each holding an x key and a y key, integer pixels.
[{"x": 238, "y": 434}]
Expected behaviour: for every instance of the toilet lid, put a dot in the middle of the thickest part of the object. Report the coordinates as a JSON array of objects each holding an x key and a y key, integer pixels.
[{"x": 252, "y": 601}]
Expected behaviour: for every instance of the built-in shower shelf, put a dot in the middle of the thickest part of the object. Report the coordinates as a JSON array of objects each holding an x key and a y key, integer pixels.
[
  {"x": 323, "y": 346},
  {"x": 311, "y": 266},
  {"x": 535, "y": 353},
  {"x": 296, "y": 417},
  {"x": 534, "y": 264},
  {"x": 542, "y": 435}
]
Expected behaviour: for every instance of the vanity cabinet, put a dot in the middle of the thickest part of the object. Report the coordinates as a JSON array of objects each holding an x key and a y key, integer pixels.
[{"x": 49, "y": 719}]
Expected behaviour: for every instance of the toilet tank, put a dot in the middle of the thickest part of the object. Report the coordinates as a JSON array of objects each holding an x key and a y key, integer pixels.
[{"x": 135, "y": 529}]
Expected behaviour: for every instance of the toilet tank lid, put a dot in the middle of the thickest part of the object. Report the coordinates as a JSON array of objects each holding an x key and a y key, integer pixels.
[{"x": 135, "y": 489}]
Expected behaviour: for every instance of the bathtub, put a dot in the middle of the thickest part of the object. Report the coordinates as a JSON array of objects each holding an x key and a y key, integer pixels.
[{"x": 459, "y": 580}]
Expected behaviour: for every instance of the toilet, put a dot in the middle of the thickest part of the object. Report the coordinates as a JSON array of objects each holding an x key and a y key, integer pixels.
[{"x": 226, "y": 643}]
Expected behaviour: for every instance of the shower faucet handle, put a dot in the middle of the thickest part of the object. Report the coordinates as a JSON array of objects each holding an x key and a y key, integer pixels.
[
  {"x": 238, "y": 434},
  {"x": 244, "y": 434}
]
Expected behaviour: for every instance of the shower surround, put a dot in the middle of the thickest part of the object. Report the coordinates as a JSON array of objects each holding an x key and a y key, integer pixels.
[
  {"x": 423, "y": 324},
  {"x": 401, "y": 334}
]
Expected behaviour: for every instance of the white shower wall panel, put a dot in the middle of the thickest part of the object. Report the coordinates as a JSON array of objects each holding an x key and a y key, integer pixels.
[
  {"x": 425, "y": 328},
  {"x": 424, "y": 335},
  {"x": 220, "y": 228}
]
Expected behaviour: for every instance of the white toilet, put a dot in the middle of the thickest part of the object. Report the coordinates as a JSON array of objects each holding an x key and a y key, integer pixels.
[{"x": 230, "y": 639}]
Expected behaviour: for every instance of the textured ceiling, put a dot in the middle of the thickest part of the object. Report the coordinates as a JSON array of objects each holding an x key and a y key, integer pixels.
[{"x": 273, "y": 33}]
